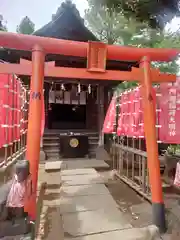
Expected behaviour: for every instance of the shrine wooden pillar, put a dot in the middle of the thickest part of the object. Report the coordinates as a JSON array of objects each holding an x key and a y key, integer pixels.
[
  {"x": 149, "y": 108},
  {"x": 101, "y": 114},
  {"x": 34, "y": 123}
]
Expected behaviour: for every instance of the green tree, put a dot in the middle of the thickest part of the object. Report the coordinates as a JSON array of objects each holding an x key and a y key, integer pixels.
[
  {"x": 114, "y": 28},
  {"x": 111, "y": 27},
  {"x": 155, "y": 13},
  {"x": 26, "y": 26},
  {"x": 3, "y": 26}
]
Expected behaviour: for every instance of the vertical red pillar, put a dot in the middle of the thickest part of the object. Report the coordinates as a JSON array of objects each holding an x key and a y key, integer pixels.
[
  {"x": 34, "y": 122},
  {"x": 152, "y": 146}
]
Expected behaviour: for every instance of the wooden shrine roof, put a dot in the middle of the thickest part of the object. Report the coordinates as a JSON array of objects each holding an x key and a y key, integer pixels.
[{"x": 66, "y": 24}]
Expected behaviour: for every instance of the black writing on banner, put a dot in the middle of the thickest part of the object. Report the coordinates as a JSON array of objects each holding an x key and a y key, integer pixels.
[{"x": 36, "y": 96}]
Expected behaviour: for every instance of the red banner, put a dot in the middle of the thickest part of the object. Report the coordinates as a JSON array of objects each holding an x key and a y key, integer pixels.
[
  {"x": 10, "y": 109},
  {"x": 137, "y": 116},
  {"x": 123, "y": 122},
  {"x": 43, "y": 117},
  {"x": 131, "y": 122},
  {"x": 4, "y": 109},
  {"x": 15, "y": 109},
  {"x": 131, "y": 116},
  {"x": 169, "y": 115},
  {"x": 110, "y": 118}
]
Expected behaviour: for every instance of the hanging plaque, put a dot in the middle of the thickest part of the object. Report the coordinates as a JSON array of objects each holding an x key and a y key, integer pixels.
[
  {"x": 67, "y": 97},
  {"x": 59, "y": 97},
  {"x": 83, "y": 98},
  {"x": 51, "y": 97}
]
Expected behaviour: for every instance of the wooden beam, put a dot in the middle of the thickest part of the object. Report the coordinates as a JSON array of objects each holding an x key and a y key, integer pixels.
[
  {"x": 74, "y": 48},
  {"x": 25, "y": 62},
  {"x": 84, "y": 74}
]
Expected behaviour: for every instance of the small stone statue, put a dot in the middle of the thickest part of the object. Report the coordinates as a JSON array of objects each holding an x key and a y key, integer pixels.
[
  {"x": 15, "y": 220},
  {"x": 20, "y": 191}
]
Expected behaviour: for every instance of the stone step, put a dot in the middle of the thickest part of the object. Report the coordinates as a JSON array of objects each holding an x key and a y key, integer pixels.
[
  {"x": 51, "y": 138},
  {"x": 93, "y": 137},
  {"x": 93, "y": 143},
  {"x": 51, "y": 144}
]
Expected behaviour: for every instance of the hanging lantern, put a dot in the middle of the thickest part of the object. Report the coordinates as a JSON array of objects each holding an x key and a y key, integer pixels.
[
  {"x": 51, "y": 88},
  {"x": 89, "y": 88},
  {"x": 62, "y": 87},
  {"x": 79, "y": 88}
]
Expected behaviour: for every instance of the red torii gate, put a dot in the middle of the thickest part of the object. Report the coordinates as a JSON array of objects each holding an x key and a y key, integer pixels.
[{"x": 96, "y": 54}]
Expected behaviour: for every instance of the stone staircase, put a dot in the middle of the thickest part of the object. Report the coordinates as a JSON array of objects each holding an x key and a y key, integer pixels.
[
  {"x": 93, "y": 143},
  {"x": 51, "y": 144}
]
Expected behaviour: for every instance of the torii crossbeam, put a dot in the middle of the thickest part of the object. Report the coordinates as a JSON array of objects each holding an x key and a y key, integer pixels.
[{"x": 96, "y": 54}]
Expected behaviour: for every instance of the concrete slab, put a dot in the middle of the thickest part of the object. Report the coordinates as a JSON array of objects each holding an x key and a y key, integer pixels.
[
  {"x": 84, "y": 190},
  {"x": 81, "y": 179},
  {"x": 91, "y": 222},
  {"x": 92, "y": 163},
  {"x": 54, "y": 165},
  {"x": 53, "y": 178},
  {"x": 127, "y": 234},
  {"x": 82, "y": 171},
  {"x": 80, "y": 176},
  {"x": 86, "y": 203}
]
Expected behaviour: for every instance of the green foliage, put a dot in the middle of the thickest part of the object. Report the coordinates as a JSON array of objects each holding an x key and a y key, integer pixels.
[
  {"x": 126, "y": 85},
  {"x": 155, "y": 13},
  {"x": 26, "y": 26},
  {"x": 3, "y": 26},
  {"x": 106, "y": 24},
  {"x": 113, "y": 27},
  {"x": 173, "y": 149}
]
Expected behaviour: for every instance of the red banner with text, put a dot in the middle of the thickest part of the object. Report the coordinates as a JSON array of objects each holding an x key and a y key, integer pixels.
[
  {"x": 169, "y": 115},
  {"x": 131, "y": 114},
  {"x": 166, "y": 98}
]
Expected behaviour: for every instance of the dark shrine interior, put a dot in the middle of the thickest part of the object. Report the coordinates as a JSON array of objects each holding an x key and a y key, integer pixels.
[{"x": 67, "y": 116}]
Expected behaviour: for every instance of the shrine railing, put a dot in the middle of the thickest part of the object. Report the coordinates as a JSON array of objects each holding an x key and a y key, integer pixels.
[
  {"x": 124, "y": 119},
  {"x": 129, "y": 160}
]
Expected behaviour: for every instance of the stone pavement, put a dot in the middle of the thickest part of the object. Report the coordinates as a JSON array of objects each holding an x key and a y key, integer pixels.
[
  {"x": 89, "y": 212},
  {"x": 78, "y": 205},
  {"x": 75, "y": 164}
]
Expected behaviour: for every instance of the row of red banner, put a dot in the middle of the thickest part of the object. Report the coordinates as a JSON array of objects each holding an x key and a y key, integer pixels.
[
  {"x": 130, "y": 119},
  {"x": 14, "y": 109},
  {"x": 12, "y": 98}
]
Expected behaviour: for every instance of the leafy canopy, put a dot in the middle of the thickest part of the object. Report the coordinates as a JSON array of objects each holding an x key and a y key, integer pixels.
[
  {"x": 115, "y": 28},
  {"x": 155, "y": 13},
  {"x": 3, "y": 26},
  {"x": 26, "y": 26}
]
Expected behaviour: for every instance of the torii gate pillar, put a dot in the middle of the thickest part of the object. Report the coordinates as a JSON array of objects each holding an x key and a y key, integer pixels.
[
  {"x": 152, "y": 146},
  {"x": 34, "y": 123}
]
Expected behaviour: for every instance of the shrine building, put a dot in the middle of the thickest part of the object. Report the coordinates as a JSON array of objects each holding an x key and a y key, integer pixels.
[{"x": 74, "y": 108}]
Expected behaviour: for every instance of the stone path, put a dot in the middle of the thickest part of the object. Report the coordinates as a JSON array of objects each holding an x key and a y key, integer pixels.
[
  {"x": 89, "y": 212},
  {"x": 75, "y": 164}
]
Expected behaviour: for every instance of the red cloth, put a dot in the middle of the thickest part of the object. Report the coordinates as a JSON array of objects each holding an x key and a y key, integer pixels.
[
  {"x": 43, "y": 117},
  {"x": 4, "y": 109},
  {"x": 20, "y": 192},
  {"x": 110, "y": 118},
  {"x": 122, "y": 117},
  {"x": 169, "y": 116}
]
